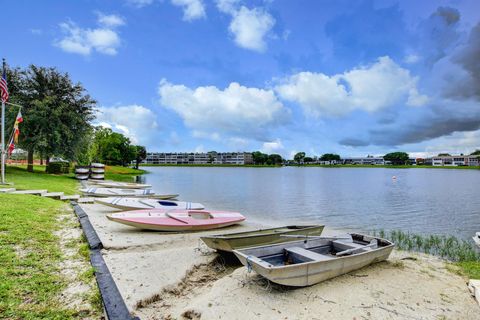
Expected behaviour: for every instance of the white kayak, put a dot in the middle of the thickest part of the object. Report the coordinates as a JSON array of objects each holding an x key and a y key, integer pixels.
[
  {"x": 136, "y": 193},
  {"x": 125, "y": 203},
  {"x": 122, "y": 185}
]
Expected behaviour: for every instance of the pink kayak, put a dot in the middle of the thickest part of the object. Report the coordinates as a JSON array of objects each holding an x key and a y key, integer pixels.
[{"x": 177, "y": 219}]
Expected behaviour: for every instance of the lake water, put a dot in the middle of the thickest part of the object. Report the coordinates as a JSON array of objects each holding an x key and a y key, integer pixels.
[{"x": 428, "y": 201}]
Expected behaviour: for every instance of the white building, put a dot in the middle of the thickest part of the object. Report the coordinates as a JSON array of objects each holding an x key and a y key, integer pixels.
[
  {"x": 238, "y": 158},
  {"x": 365, "y": 160},
  {"x": 453, "y": 161}
]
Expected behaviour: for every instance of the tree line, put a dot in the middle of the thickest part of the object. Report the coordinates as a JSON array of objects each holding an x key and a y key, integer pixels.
[{"x": 57, "y": 120}]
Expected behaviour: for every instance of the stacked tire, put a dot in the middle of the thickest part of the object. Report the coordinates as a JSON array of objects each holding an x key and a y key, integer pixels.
[
  {"x": 82, "y": 172},
  {"x": 97, "y": 171}
]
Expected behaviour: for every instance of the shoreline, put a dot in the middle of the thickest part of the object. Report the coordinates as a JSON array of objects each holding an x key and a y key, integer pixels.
[{"x": 312, "y": 166}]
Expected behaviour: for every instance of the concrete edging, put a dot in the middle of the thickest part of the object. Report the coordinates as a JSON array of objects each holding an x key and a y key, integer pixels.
[{"x": 115, "y": 307}]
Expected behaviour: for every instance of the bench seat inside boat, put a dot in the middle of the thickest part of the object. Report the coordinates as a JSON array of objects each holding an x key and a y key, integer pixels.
[
  {"x": 339, "y": 245},
  {"x": 303, "y": 255}
]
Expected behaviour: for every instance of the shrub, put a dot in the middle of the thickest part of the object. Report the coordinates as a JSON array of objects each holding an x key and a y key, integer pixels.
[{"x": 58, "y": 167}]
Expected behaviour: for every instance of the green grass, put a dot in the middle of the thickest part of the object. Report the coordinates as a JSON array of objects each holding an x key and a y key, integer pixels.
[
  {"x": 460, "y": 253},
  {"x": 124, "y": 174},
  {"x": 39, "y": 179},
  {"x": 30, "y": 279}
]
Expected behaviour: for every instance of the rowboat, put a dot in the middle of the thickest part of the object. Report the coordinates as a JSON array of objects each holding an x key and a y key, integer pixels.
[
  {"x": 122, "y": 185},
  {"x": 177, "y": 220},
  {"x": 476, "y": 238},
  {"x": 124, "y": 203},
  {"x": 304, "y": 263},
  {"x": 232, "y": 241},
  {"x": 136, "y": 193}
]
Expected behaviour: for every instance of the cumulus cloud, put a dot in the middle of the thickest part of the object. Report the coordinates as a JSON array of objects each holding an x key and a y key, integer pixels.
[
  {"x": 192, "y": 9},
  {"x": 104, "y": 39},
  {"x": 274, "y": 146},
  {"x": 249, "y": 27},
  {"x": 369, "y": 88},
  {"x": 135, "y": 121},
  {"x": 235, "y": 110}
]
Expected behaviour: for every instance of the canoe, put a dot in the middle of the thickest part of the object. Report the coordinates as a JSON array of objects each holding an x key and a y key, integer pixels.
[
  {"x": 97, "y": 176},
  {"x": 97, "y": 165},
  {"x": 136, "y": 193},
  {"x": 232, "y": 241},
  {"x": 177, "y": 220},
  {"x": 125, "y": 203},
  {"x": 476, "y": 238},
  {"x": 304, "y": 263},
  {"x": 122, "y": 185},
  {"x": 98, "y": 170}
]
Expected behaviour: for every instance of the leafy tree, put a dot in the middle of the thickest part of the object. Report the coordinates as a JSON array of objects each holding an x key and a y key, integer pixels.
[
  {"x": 475, "y": 153},
  {"x": 275, "y": 159},
  {"x": 56, "y": 112},
  {"x": 113, "y": 147},
  {"x": 308, "y": 159},
  {"x": 397, "y": 158},
  {"x": 298, "y": 158},
  {"x": 443, "y": 155},
  {"x": 330, "y": 157},
  {"x": 259, "y": 157},
  {"x": 141, "y": 153}
]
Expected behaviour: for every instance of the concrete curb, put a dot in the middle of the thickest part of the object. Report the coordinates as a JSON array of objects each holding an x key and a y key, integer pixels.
[{"x": 115, "y": 307}]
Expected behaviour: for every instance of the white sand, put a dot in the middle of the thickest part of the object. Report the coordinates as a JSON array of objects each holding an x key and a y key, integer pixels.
[{"x": 174, "y": 276}]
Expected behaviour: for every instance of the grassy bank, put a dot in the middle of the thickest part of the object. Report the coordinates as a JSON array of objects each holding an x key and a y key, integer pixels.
[
  {"x": 124, "y": 174},
  {"x": 31, "y": 282},
  {"x": 461, "y": 253}
]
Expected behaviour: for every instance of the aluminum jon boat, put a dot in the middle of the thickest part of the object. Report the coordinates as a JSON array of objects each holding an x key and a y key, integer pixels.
[
  {"x": 122, "y": 185},
  {"x": 125, "y": 203},
  {"x": 304, "y": 263},
  {"x": 136, "y": 193},
  {"x": 177, "y": 220},
  {"x": 238, "y": 240}
]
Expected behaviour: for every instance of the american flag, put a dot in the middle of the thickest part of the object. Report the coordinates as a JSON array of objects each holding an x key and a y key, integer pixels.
[{"x": 4, "y": 87}]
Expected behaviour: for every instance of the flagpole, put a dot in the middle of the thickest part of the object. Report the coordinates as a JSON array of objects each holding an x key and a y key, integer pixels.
[{"x": 3, "y": 134}]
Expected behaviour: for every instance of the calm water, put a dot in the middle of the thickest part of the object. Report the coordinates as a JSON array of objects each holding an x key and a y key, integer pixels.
[{"x": 420, "y": 200}]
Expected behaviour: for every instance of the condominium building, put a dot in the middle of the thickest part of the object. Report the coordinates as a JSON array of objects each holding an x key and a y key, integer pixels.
[
  {"x": 238, "y": 158},
  {"x": 453, "y": 161},
  {"x": 365, "y": 160}
]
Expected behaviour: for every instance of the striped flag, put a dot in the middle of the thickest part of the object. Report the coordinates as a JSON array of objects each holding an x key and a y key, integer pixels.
[
  {"x": 16, "y": 133},
  {"x": 4, "y": 87}
]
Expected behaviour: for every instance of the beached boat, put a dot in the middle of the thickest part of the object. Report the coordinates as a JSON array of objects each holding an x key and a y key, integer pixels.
[
  {"x": 97, "y": 165},
  {"x": 177, "y": 220},
  {"x": 304, "y": 263},
  {"x": 232, "y": 241},
  {"x": 125, "y": 203},
  {"x": 136, "y": 193},
  {"x": 122, "y": 185},
  {"x": 476, "y": 238}
]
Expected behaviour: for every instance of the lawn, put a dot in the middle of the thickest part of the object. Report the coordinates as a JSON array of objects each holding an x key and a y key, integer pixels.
[
  {"x": 124, "y": 174},
  {"x": 30, "y": 280}
]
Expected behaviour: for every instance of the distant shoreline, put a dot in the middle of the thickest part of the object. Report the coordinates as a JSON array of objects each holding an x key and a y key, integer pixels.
[{"x": 314, "y": 165}]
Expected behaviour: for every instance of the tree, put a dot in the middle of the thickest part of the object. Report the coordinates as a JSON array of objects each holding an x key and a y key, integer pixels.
[
  {"x": 275, "y": 159},
  {"x": 259, "y": 157},
  {"x": 443, "y": 155},
  {"x": 475, "y": 153},
  {"x": 330, "y": 157},
  {"x": 141, "y": 155},
  {"x": 397, "y": 158},
  {"x": 113, "y": 147},
  {"x": 308, "y": 159},
  {"x": 298, "y": 158},
  {"x": 56, "y": 112}
]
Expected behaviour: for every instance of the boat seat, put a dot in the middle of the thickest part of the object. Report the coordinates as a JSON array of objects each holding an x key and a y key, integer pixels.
[
  {"x": 340, "y": 245},
  {"x": 304, "y": 255}
]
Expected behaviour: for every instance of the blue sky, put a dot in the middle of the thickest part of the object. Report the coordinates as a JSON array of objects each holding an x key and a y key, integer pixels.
[{"x": 350, "y": 77}]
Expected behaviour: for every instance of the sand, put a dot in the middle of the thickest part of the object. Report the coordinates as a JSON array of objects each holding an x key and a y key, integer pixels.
[{"x": 175, "y": 276}]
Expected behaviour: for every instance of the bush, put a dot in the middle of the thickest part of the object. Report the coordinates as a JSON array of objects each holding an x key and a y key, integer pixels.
[{"x": 58, "y": 167}]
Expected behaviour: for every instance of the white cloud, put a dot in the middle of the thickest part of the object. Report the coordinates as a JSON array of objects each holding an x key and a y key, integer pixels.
[
  {"x": 368, "y": 88},
  {"x": 192, "y": 9},
  {"x": 140, "y": 3},
  {"x": 249, "y": 27},
  {"x": 103, "y": 39},
  {"x": 136, "y": 122},
  {"x": 110, "y": 21},
  {"x": 235, "y": 110},
  {"x": 411, "y": 59},
  {"x": 275, "y": 146}
]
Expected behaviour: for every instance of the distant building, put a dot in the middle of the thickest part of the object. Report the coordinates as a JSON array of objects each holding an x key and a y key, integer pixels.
[
  {"x": 238, "y": 158},
  {"x": 453, "y": 161},
  {"x": 365, "y": 160}
]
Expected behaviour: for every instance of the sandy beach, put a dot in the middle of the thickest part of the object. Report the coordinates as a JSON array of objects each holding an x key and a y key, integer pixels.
[{"x": 175, "y": 276}]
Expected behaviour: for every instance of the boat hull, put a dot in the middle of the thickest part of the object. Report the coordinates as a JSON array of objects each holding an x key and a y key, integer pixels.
[
  {"x": 310, "y": 273},
  {"x": 123, "y": 185},
  {"x": 133, "y": 193},
  {"x": 176, "y": 220},
  {"x": 230, "y": 242},
  {"x": 125, "y": 203}
]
